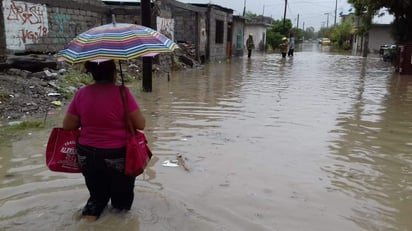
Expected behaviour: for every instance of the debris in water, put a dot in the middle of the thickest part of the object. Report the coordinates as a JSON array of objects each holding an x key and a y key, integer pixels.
[
  {"x": 182, "y": 162},
  {"x": 170, "y": 163},
  {"x": 176, "y": 163}
]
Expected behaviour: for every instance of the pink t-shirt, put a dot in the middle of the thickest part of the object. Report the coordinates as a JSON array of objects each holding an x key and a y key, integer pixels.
[{"x": 101, "y": 113}]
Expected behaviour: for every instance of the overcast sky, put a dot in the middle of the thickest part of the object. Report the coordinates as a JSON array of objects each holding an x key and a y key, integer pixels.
[
  {"x": 311, "y": 12},
  {"x": 315, "y": 13}
]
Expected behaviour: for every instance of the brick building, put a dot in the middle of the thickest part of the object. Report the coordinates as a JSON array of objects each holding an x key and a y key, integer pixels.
[{"x": 46, "y": 26}]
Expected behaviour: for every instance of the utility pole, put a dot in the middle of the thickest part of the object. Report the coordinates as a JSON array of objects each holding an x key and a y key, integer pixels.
[
  {"x": 327, "y": 20},
  {"x": 3, "y": 47},
  {"x": 244, "y": 8},
  {"x": 263, "y": 14},
  {"x": 284, "y": 14},
  {"x": 297, "y": 23},
  {"x": 146, "y": 13},
  {"x": 336, "y": 9}
]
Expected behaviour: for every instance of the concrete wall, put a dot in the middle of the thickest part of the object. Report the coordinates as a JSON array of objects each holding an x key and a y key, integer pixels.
[
  {"x": 217, "y": 51},
  {"x": 190, "y": 26},
  {"x": 127, "y": 14},
  {"x": 196, "y": 24},
  {"x": 186, "y": 25},
  {"x": 46, "y": 26},
  {"x": 259, "y": 35},
  {"x": 183, "y": 23},
  {"x": 379, "y": 35},
  {"x": 238, "y": 41},
  {"x": 2, "y": 37}
]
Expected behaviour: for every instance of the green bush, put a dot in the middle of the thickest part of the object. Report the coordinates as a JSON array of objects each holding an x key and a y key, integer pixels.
[{"x": 75, "y": 77}]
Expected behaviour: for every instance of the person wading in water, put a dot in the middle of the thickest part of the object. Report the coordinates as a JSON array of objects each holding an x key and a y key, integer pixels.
[{"x": 250, "y": 44}]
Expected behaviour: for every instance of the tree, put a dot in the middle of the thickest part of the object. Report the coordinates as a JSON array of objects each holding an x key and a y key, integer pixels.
[
  {"x": 252, "y": 17},
  {"x": 365, "y": 10},
  {"x": 342, "y": 33},
  {"x": 299, "y": 34},
  {"x": 401, "y": 9},
  {"x": 309, "y": 33},
  {"x": 324, "y": 32},
  {"x": 278, "y": 31}
]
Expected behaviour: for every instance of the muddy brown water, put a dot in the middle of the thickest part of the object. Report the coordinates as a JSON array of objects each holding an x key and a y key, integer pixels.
[{"x": 320, "y": 141}]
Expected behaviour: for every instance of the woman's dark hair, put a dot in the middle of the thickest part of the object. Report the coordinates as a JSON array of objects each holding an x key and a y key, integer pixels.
[{"x": 103, "y": 71}]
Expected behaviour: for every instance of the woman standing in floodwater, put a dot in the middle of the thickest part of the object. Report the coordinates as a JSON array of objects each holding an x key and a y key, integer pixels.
[{"x": 98, "y": 110}]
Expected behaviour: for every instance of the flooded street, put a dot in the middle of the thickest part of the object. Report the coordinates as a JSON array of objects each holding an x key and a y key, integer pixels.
[{"x": 321, "y": 141}]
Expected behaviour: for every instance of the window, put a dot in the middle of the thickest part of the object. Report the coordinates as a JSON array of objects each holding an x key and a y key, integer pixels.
[{"x": 219, "y": 32}]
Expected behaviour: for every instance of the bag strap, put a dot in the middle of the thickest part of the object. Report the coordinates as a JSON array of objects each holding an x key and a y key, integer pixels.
[{"x": 128, "y": 122}]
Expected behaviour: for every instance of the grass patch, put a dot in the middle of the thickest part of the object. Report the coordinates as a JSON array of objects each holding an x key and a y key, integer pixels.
[
  {"x": 26, "y": 125},
  {"x": 76, "y": 77},
  {"x": 73, "y": 78},
  {"x": 126, "y": 77},
  {"x": 16, "y": 129}
]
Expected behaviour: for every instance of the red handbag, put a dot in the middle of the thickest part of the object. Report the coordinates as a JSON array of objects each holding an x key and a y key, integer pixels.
[
  {"x": 61, "y": 154},
  {"x": 138, "y": 154}
]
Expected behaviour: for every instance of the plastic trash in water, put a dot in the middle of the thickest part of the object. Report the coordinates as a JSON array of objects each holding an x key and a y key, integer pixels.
[{"x": 170, "y": 163}]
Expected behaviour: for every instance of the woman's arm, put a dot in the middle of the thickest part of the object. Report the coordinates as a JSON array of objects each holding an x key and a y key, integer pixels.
[
  {"x": 71, "y": 122},
  {"x": 138, "y": 120}
]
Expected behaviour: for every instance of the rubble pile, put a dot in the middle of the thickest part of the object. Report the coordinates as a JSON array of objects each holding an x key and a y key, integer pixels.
[
  {"x": 26, "y": 94},
  {"x": 186, "y": 54},
  {"x": 30, "y": 84}
]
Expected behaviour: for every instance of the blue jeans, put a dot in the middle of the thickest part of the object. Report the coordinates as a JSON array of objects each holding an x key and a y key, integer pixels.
[{"x": 103, "y": 171}]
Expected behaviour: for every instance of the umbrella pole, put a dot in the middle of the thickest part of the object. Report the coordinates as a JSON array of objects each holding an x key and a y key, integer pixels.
[{"x": 121, "y": 72}]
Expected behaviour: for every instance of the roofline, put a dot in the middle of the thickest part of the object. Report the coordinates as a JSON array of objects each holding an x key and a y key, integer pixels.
[{"x": 207, "y": 5}]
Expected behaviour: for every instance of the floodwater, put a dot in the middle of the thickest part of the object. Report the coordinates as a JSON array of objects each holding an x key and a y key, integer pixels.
[{"x": 321, "y": 141}]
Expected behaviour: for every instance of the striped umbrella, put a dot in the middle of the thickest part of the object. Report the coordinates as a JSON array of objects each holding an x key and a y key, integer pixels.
[{"x": 118, "y": 41}]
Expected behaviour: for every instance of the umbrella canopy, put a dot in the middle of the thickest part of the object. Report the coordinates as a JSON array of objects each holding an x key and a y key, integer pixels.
[{"x": 119, "y": 41}]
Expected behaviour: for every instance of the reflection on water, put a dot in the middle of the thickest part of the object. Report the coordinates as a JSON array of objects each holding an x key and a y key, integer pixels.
[
  {"x": 372, "y": 151},
  {"x": 318, "y": 141}
]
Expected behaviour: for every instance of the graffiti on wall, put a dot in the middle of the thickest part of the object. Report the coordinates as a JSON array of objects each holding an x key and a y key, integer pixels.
[
  {"x": 25, "y": 23},
  {"x": 61, "y": 26},
  {"x": 166, "y": 26},
  {"x": 61, "y": 20}
]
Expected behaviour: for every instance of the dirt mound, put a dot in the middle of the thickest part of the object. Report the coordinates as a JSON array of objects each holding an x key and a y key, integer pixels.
[{"x": 24, "y": 94}]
